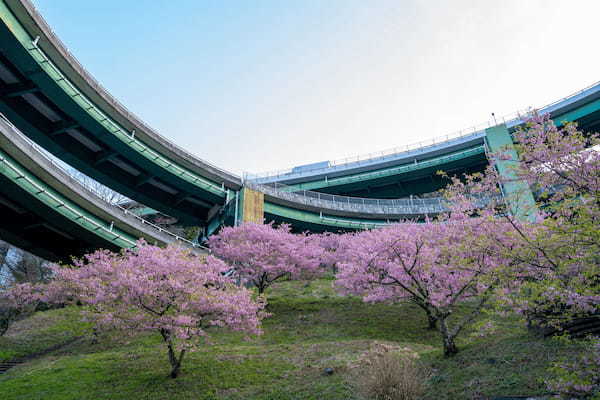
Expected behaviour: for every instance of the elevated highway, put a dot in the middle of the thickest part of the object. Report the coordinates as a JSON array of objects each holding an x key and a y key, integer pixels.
[
  {"x": 47, "y": 94},
  {"x": 49, "y": 213}
]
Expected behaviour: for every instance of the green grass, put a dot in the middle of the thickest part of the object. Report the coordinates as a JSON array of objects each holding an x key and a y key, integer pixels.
[
  {"x": 40, "y": 332},
  {"x": 311, "y": 328}
]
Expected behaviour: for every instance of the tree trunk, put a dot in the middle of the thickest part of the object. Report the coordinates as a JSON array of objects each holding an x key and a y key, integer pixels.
[
  {"x": 448, "y": 339},
  {"x": 431, "y": 320},
  {"x": 262, "y": 284},
  {"x": 450, "y": 348},
  {"x": 173, "y": 359},
  {"x": 175, "y": 363},
  {"x": 94, "y": 335}
]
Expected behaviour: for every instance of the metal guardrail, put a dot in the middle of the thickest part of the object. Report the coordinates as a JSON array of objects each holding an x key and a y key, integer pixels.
[
  {"x": 355, "y": 224},
  {"x": 87, "y": 186},
  {"x": 407, "y": 206},
  {"x": 404, "y": 206},
  {"x": 370, "y": 157},
  {"x": 515, "y": 116},
  {"x": 161, "y": 230}
]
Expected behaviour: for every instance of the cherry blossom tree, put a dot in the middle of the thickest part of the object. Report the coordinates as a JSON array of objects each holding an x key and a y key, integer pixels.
[
  {"x": 434, "y": 265},
  {"x": 262, "y": 254},
  {"x": 171, "y": 291},
  {"x": 559, "y": 250},
  {"x": 332, "y": 248},
  {"x": 16, "y": 301}
]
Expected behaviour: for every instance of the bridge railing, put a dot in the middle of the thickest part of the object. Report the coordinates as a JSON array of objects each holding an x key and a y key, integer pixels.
[
  {"x": 91, "y": 187},
  {"x": 369, "y": 157},
  {"x": 403, "y": 206},
  {"x": 352, "y": 204},
  {"x": 355, "y": 224}
]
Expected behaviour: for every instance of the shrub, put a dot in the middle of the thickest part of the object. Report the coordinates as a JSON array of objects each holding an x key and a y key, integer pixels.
[
  {"x": 7, "y": 316},
  {"x": 16, "y": 302},
  {"x": 387, "y": 375}
]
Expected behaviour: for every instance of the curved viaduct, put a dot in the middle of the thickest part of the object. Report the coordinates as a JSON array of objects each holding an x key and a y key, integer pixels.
[
  {"x": 46, "y": 94},
  {"x": 48, "y": 212}
]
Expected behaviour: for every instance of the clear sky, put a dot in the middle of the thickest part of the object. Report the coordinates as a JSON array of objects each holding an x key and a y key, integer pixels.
[{"x": 261, "y": 85}]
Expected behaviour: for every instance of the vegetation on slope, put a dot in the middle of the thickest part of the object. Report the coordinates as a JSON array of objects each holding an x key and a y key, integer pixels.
[{"x": 311, "y": 329}]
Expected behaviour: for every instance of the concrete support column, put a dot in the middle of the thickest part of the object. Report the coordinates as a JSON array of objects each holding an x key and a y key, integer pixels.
[
  {"x": 251, "y": 206},
  {"x": 517, "y": 193}
]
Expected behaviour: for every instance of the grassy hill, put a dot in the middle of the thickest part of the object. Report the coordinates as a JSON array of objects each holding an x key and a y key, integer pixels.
[{"x": 311, "y": 329}]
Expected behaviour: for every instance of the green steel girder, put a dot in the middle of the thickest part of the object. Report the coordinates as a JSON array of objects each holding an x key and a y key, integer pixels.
[
  {"x": 578, "y": 113},
  {"x": 391, "y": 172},
  {"x": 18, "y": 89},
  {"x": 104, "y": 156},
  {"x": 412, "y": 183},
  {"x": 590, "y": 122},
  {"x": 224, "y": 217},
  {"x": 108, "y": 174},
  {"x": 143, "y": 211},
  {"x": 42, "y": 197},
  {"x": 63, "y": 127},
  {"x": 324, "y": 222}
]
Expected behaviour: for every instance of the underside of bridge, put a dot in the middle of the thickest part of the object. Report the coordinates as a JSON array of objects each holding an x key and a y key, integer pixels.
[
  {"x": 43, "y": 102},
  {"x": 40, "y": 229},
  {"x": 412, "y": 183},
  {"x": 48, "y": 212}
]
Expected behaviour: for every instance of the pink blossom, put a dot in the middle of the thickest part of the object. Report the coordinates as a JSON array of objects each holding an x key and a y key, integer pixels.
[
  {"x": 167, "y": 290},
  {"x": 263, "y": 254}
]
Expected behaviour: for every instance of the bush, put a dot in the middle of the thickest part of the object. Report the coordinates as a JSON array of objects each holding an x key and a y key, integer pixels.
[
  {"x": 386, "y": 375},
  {"x": 16, "y": 302},
  {"x": 7, "y": 316}
]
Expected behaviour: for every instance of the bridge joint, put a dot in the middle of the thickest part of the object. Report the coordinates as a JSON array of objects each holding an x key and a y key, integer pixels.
[
  {"x": 143, "y": 179},
  {"x": 180, "y": 198},
  {"x": 103, "y": 156}
]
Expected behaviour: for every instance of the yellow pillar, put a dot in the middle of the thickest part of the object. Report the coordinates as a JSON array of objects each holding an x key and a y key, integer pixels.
[{"x": 252, "y": 206}]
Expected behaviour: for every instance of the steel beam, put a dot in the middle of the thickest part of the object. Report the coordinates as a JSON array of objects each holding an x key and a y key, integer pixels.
[{"x": 18, "y": 89}]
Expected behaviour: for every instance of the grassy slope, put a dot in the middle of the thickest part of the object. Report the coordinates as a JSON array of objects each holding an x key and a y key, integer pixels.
[
  {"x": 311, "y": 329},
  {"x": 38, "y": 333}
]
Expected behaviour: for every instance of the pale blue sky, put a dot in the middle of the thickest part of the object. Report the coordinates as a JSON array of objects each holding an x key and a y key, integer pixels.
[{"x": 261, "y": 85}]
